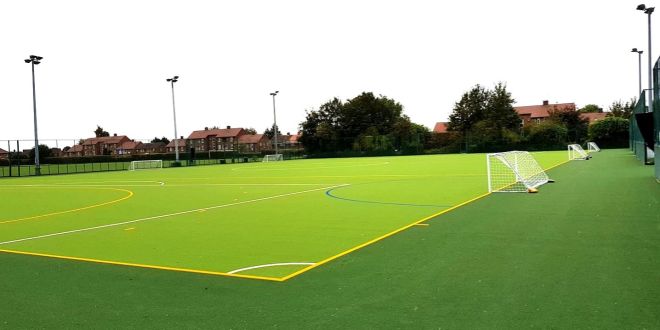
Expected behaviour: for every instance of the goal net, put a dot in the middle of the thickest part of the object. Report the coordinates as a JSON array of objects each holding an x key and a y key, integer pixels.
[
  {"x": 592, "y": 147},
  {"x": 575, "y": 152},
  {"x": 273, "y": 158},
  {"x": 145, "y": 164},
  {"x": 514, "y": 171}
]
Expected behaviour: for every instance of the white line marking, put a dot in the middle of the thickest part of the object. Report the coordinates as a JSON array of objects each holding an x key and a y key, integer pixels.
[
  {"x": 166, "y": 215},
  {"x": 273, "y": 265},
  {"x": 169, "y": 185}
]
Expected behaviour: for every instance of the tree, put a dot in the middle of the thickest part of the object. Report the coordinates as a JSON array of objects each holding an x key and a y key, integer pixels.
[
  {"x": 269, "y": 132},
  {"x": 611, "y": 132},
  {"x": 486, "y": 118},
  {"x": 163, "y": 140},
  {"x": 99, "y": 132},
  {"x": 44, "y": 152},
  {"x": 546, "y": 135},
  {"x": 576, "y": 126},
  {"x": 363, "y": 123},
  {"x": 622, "y": 110},
  {"x": 250, "y": 131},
  {"x": 589, "y": 108}
]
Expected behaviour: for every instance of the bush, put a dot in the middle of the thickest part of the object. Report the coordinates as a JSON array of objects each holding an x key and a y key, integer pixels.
[
  {"x": 546, "y": 136},
  {"x": 611, "y": 132}
]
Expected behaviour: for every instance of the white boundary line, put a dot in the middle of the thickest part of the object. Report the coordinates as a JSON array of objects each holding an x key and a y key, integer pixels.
[
  {"x": 259, "y": 168},
  {"x": 166, "y": 215},
  {"x": 163, "y": 183},
  {"x": 272, "y": 265}
]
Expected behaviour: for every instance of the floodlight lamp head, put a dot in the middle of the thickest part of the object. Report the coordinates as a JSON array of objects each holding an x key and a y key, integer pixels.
[
  {"x": 33, "y": 57},
  {"x": 39, "y": 58},
  {"x": 176, "y": 77},
  {"x": 168, "y": 79},
  {"x": 28, "y": 60},
  {"x": 649, "y": 10},
  {"x": 641, "y": 7},
  {"x": 36, "y": 62},
  {"x": 634, "y": 50}
]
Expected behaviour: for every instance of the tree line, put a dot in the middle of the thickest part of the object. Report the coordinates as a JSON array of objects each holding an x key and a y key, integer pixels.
[{"x": 483, "y": 120}]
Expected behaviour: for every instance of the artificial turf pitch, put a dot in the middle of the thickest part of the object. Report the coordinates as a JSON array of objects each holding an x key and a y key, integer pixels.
[{"x": 580, "y": 254}]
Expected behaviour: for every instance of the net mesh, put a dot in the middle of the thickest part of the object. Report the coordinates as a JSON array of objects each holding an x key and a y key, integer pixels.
[
  {"x": 145, "y": 164},
  {"x": 575, "y": 152},
  {"x": 273, "y": 158},
  {"x": 593, "y": 147},
  {"x": 514, "y": 171}
]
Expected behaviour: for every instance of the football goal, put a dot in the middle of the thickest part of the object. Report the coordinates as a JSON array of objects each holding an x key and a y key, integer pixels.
[
  {"x": 514, "y": 171},
  {"x": 592, "y": 147},
  {"x": 273, "y": 158},
  {"x": 145, "y": 164},
  {"x": 575, "y": 152}
]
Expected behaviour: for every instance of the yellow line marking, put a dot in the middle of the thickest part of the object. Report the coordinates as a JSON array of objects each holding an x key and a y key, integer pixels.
[
  {"x": 108, "y": 262},
  {"x": 130, "y": 194},
  {"x": 325, "y": 261},
  {"x": 421, "y": 224}
]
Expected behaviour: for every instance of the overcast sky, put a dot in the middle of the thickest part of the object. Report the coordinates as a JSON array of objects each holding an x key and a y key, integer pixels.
[{"x": 105, "y": 62}]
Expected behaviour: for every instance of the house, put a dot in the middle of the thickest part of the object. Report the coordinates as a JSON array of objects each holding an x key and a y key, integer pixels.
[
  {"x": 440, "y": 127},
  {"x": 75, "y": 151},
  {"x": 170, "y": 147},
  {"x": 105, "y": 145},
  {"x": 151, "y": 148},
  {"x": 128, "y": 148},
  {"x": 254, "y": 142},
  {"x": 538, "y": 113},
  {"x": 289, "y": 141},
  {"x": 56, "y": 152},
  {"x": 3, "y": 154},
  {"x": 215, "y": 138}
]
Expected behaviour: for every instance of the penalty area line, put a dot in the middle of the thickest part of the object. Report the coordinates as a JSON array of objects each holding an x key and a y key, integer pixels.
[{"x": 165, "y": 215}]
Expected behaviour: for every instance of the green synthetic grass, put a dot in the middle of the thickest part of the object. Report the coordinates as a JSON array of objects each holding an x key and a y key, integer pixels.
[
  {"x": 580, "y": 254},
  {"x": 225, "y": 218}
]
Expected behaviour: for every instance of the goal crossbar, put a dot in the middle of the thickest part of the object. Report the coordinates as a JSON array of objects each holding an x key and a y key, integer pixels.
[
  {"x": 273, "y": 158},
  {"x": 592, "y": 147}
]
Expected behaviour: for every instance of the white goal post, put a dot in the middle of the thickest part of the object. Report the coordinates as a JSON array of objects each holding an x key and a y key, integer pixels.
[
  {"x": 592, "y": 147},
  {"x": 514, "y": 171},
  {"x": 273, "y": 158},
  {"x": 575, "y": 152},
  {"x": 145, "y": 164}
]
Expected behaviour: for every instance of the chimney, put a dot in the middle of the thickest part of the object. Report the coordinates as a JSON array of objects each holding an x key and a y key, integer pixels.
[
  {"x": 114, "y": 134},
  {"x": 228, "y": 127},
  {"x": 545, "y": 102},
  {"x": 206, "y": 128},
  {"x": 181, "y": 137}
]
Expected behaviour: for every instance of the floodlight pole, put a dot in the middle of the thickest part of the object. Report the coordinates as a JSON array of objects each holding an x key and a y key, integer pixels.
[
  {"x": 648, "y": 11},
  {"x": 639, "y": 53},
  {"x": 274, "y": 121},
  {"x": 35, "y": 60},
  {"x": 176, "y": 141}
]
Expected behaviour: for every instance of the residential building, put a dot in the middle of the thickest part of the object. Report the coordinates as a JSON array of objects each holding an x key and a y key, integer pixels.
[
  {"x": 254, "y": 142},
  {"x": 593, "y": 116},
  {"x": 151, "y": 148},
  {"x": 215, "y": 139},
  {"x": 171, "y": 147},
  {"x": 75, "y": 151},
  {"x": 3, "y": 154},
  {"x": 105, "y": 145},
  {"x": 538, "y": 113},
  {"x": 128, "y": 148}
]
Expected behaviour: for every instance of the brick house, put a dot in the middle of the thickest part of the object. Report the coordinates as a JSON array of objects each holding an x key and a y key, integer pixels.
[
  {"x": 75, "y": 151},
  {"x": 254, "y": 142},
  {"x": 215, "y": 138},
  {"x": 105, "y": 145},
  {"x": 4, "y": 154},
  {"x": 538, "y": 113},
  {"x": 151, "y": 148},
  {"x": 170, "y": 147},
  {"x": 128, "y": 148}
]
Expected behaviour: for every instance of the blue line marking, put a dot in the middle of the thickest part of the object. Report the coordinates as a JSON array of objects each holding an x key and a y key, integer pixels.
[{"x": 329, "y": 194}]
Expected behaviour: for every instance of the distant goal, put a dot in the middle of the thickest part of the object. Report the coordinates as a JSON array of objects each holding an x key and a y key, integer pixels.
[
  {"x": 575, "y": 152},
  {"x": 145, "y": 165},
  {"x": 592, "y": 147},
  {"x": 514, "y": 171},
  {"x": 273, "y": 158}
]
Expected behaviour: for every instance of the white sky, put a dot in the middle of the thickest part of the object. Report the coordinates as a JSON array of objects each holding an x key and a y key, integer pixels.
[{"x": 105, "y": 62}]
